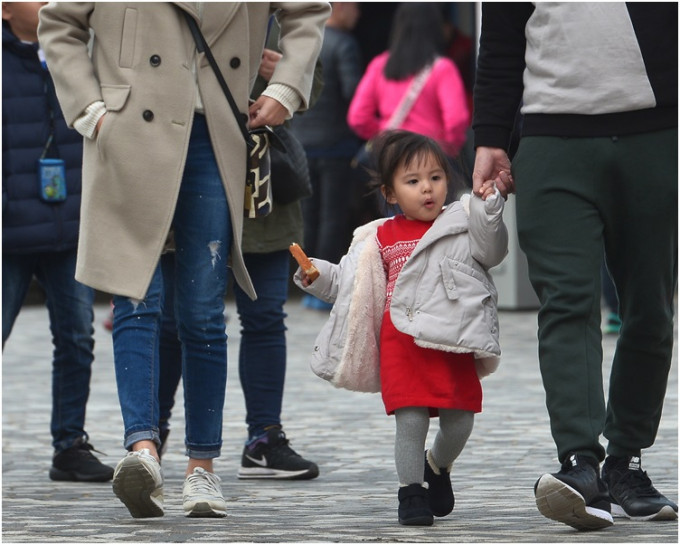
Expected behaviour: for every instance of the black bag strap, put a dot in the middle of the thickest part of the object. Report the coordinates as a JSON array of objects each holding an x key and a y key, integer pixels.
[{"x": 202, "y": 47}]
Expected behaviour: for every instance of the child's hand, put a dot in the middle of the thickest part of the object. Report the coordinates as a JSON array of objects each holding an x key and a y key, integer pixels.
[
  {"x": 487, "y": 190},
  {"x": 304, "y": 279}
]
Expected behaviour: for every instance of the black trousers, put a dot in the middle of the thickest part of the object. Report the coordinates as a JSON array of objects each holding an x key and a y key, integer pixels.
[{"x": 575, "y": 198}]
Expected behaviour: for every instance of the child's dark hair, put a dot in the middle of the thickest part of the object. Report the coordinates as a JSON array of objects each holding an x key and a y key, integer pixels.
[{"x": 394, "y": 148}]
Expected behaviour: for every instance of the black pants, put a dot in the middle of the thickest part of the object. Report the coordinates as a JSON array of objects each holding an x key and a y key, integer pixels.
[{"x": 576, "y": 197}]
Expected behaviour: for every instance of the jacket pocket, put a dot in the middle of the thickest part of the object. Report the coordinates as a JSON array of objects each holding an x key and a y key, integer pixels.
[
  {"x": 128, "y": 39},
  {"x": 115, "y": 97}
]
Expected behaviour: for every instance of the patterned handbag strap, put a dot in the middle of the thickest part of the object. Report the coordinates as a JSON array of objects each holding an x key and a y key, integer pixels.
[{"x": 410, "y": 97}]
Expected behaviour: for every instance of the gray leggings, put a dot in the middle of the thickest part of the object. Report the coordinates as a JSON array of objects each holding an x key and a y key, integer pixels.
[{"x": 413, "y": 424}]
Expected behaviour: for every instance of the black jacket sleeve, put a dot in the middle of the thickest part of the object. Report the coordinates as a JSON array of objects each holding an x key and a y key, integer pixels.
[{"x": 500, "y": 66}]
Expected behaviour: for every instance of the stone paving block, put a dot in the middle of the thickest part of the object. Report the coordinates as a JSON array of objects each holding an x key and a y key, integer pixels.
[{"x": 346, "y": 433}]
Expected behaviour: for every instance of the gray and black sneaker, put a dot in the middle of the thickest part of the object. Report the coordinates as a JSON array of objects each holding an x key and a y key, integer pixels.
[
  {"x": 632, "y": 493},
  {"x": 77, "y": 463},
  {"x": 270, "y": 457},
  {"x": 575, "y": 495}
]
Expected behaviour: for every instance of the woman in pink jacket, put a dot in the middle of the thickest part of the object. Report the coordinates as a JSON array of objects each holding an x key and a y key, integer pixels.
[{"x": 440, "y": 110}]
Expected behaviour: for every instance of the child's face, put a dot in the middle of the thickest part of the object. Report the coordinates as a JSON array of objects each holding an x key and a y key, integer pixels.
[{"x": 419, "y": 189}]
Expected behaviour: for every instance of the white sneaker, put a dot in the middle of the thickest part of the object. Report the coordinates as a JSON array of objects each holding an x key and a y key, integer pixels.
[
  {"x": 138, "y": 483},
  {"x": 202, "y": 495}
]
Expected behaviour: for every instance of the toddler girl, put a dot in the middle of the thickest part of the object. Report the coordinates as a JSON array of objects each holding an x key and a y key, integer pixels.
[{"x": 414, "y": 314}]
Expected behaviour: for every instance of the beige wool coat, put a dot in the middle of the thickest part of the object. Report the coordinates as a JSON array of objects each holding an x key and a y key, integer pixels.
[{"x": 141, "y": 65}]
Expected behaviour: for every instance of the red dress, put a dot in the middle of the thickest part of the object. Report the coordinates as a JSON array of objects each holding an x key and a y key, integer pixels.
[{"x": 412, "y": 376}]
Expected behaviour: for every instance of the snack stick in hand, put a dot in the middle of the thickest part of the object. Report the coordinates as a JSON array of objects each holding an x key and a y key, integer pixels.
[{"x": 305, "y": 264}]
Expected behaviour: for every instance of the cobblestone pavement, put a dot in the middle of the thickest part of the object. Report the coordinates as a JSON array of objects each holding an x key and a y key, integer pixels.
[{"x": 347, "y": 434}]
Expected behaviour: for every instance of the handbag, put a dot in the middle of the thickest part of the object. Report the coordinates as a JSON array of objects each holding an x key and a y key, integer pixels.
[
  {"x": 289, "y": 169},
  {"x": 258, "y": 200},
  {"x": 363, "y": 157}
]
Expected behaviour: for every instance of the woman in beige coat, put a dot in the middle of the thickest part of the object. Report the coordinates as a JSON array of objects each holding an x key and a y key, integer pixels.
[{"x": 163, "y": 153}]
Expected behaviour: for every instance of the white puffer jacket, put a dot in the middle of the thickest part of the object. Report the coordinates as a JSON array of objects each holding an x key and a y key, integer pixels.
[{"x": 444, "y": 296}]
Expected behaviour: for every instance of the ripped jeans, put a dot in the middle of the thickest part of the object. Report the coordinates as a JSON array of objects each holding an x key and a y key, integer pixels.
[{"x": 202, "y": 230}]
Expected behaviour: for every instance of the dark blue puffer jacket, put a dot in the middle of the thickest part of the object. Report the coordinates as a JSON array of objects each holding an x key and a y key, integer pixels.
[{"x": 30, "y": 225}]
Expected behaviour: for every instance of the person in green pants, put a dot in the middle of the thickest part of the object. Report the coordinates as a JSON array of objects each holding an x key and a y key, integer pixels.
[{"x": 596, "y": 177}]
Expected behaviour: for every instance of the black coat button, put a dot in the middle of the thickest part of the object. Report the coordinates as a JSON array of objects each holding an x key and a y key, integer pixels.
[
  {"x": 155, "y": 60},
  {"x": 147, "y": 115},
  {"x": 235, "y": 62}
]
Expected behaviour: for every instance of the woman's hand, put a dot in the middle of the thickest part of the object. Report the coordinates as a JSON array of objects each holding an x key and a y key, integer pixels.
[
  {"x": 266, "y": 111},
  {"x": 268, "y": 63},
  {"x": 98, "y": 126}
]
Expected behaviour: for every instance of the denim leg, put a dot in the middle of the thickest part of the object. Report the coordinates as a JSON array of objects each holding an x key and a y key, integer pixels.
[
  {"x": 136, "y": 326},
  {"x": 17, "y": 272},
  {"x": 170, "y": 346},
  {"x": 69, "y": 304},
  {"x": 327, "y": 212},
  {"x": 203, "y": 241},
  {"x": 262, "y": 354}
]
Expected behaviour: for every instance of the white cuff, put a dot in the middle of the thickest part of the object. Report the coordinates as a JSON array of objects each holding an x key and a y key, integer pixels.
[
  {"x": 286, "y": 95},
  {"x": 87, "y": 122}
]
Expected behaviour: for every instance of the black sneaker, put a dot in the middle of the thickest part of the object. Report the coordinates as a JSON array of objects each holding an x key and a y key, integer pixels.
[
  {"x": 440, "y": 492},
  {"x": 632, "y": 493},
  {"x": 270, "y": 457},
  {"x": 575, "y": 495},
  {"x": 414, "y": 507},
  {"x": 77, "y": 463}
]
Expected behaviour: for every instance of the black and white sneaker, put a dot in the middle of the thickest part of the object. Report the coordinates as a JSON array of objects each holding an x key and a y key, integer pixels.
[
  {"x": 632, "y": 493},
  {"x": 270, "y": 457},
  {"x": 77, "y": 463},
  {"x": 576, "y": 495}
]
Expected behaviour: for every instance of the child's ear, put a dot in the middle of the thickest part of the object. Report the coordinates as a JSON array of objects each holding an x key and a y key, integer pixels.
[{"x": 388, "y": 194}]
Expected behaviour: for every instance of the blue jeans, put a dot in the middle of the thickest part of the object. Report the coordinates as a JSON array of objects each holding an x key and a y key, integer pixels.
[
  {"x": 69, "y": 304},
  {"x": 203, "y": 238},
  {"x": 328, "y": 227},
  {"x": 262, "y": 353}
]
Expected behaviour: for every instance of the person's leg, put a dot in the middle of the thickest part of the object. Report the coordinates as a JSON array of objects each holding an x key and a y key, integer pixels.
[
  {"x": 334, "y": 234},
  {"x": 455, "y": 427},
  {"x": 136, "y": 326},
  {"x": 412, "y": 425},
  {"x": 262, "y": 370},
  {"x": 69, "y": 304},
  {"x": 138, "y": 479},
  {"x": 642, "y": 256},
  {"x": 642, "y": 246},
  {"x": 203, "y": 243},
  {"x": 170, "y": 351},
  {"x": 560, "y": 230},
  {"x": 203, "y": 239},
  {"x": 262, "y": 353},
  {"x": 311, "y": 209},
  {"x": 17, "y": 272},
  {"x": 561, "y": 184}
]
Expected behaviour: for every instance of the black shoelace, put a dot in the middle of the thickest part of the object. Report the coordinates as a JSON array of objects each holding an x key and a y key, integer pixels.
[{"x": 639, "y": 482}]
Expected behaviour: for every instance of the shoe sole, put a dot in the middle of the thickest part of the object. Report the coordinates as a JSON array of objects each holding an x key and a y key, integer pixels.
[
  {"x": 268, "y": 473},
  {"x": 665, "y": 513},
  {"x": 558, "y": 501},
  {"x": 134, "y": 486},
  {"x": 204, "y": 510},
  {"x": 74, "y": 476},
  {"x": 417, "y": 521}
]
